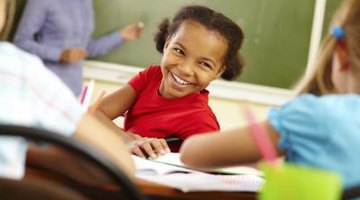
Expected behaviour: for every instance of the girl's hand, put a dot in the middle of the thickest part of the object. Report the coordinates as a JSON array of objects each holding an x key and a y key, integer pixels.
[{"x": 148, "y": 148}]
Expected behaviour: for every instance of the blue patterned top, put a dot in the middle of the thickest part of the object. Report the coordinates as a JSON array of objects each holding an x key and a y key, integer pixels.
[{"x": 321, "y": 132}]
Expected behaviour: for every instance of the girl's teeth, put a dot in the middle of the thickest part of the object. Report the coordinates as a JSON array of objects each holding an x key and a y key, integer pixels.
[{"x": 181, "y": 81}]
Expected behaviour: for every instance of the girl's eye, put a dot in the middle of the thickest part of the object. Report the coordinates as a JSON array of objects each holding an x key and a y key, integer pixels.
[
  {"x": 178, "y": 51},
  {"x": 205, "y": 64}
]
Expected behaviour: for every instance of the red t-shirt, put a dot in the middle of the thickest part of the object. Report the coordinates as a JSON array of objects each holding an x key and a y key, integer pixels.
[{"x": 154, "y": 116}]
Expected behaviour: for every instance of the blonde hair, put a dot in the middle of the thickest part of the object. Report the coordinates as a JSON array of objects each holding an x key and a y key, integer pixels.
[
  {"x": 318, "y": 81},
  {"x": 10, "y": 8}
]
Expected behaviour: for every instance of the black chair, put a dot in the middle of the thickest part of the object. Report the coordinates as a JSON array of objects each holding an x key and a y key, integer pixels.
[
  {"x": 351, "y": 193},
  {"x": 77, "y": 147}
]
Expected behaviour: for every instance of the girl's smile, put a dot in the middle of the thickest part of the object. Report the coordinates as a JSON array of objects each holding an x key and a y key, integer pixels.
[{"x": 179, "y": 81}]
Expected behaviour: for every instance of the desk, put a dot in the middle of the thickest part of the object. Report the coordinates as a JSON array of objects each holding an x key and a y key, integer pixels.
[
  {"x": 152, "y": 190},
  {"x": 157, "y": 191}
]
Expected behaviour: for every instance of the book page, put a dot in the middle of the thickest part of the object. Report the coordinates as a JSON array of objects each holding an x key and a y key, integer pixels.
[
  {"x": 188, "y": 180},
  {"x": 174, "y": 159},
  {"x": 149, "y": 167},
  {"x": 196, "y": 182}
]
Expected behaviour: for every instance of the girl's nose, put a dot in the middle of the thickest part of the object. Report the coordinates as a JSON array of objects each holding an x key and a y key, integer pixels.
[{"x": 187, "y": 68}]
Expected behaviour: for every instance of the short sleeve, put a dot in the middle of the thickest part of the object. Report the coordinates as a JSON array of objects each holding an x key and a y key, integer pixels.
[
  {"x": 204, "y": 122},
  {"x": 34, "y": 95},
  {"x": 51, "y": 102},
  {"x": 143, "y": 78},
  {"x": 300, "y": 123}
]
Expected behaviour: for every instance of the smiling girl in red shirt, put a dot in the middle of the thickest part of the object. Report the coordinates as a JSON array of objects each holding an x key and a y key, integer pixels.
[{"x": 198, "y": 46}]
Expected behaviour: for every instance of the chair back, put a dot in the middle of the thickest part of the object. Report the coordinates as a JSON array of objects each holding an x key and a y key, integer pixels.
[{"x": 79, "y": 148}]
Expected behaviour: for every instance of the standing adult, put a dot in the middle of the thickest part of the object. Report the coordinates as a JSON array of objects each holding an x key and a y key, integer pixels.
[{"x": 60, "y": 33}]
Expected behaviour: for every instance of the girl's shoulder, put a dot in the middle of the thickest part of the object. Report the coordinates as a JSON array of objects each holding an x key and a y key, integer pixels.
[
  {"x": 12, "y": 55},
  {"x": 332, "y": 101},
  {"x": 152, "y": 72},
  {"x": 316, "y": 118},
  {"x": 315, "y": 111},
  {"x": 311, "y": 106},
  {"x": 153, "y": 69}
]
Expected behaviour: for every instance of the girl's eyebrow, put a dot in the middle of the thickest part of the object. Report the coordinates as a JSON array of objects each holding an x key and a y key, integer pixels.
[
  {"x": 203, "y": 58},
  {"x": 209, "y": 60},
  {"x": 177, "y": 43}
]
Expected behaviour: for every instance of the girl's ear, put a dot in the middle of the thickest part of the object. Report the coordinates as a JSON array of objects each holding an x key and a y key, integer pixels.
[
  {"x": 343, "y": 54},
  {"x": 166, "y": 44}
]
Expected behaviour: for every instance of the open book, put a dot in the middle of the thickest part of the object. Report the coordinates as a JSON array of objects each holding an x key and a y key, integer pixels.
[
  {"x": 174, "y": 159},
  {"x": 188, "y": 180}
]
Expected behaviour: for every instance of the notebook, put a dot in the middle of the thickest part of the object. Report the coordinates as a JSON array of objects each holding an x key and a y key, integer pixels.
[{"x": 189, "y": 180}]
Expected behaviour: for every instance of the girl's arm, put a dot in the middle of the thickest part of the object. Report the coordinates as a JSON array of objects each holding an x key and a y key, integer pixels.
[
  {"x": 100, "y": 136},
  {"x": 116, "y": 105},
  {"x": 230, "y": 147},
  {"x": 104, "y": 44}
]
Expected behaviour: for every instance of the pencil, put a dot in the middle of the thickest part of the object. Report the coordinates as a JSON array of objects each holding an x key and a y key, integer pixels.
[
  {"x": 83, "y": 94},
  {"x": 172, "y": 139},
  {"x": 260, "y": 136},
  {"x": 93, "y": 108},
  {"x": 88, "y": 94}
]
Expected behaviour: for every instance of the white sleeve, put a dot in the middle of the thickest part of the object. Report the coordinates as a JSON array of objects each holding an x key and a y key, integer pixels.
[{"x": 51, "y": 102}]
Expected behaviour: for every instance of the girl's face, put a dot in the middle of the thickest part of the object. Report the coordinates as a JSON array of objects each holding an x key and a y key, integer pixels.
[
  {"x": 2, "y": 14},
  {"x": 193, "y": 57},
  {"x": 338, "y": 74}
]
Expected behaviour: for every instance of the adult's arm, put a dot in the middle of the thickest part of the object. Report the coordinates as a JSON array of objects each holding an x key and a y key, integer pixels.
[
  {"x": 108, "y": 42},
  {"x": 104, "y": 44}
]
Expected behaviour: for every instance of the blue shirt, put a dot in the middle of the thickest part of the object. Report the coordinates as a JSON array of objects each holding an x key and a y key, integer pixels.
[
  {"x": 48, "y": 27},
  {"x": 31, "y": 96},
  {"x": 321, "y": 132}
]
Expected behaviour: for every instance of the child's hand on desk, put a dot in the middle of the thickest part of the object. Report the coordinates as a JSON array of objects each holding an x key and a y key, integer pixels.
[{"x": 149, "y": 148}]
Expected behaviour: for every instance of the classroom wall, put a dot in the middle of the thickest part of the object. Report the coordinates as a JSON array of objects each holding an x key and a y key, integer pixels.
[{"x": 277, "y": 33}]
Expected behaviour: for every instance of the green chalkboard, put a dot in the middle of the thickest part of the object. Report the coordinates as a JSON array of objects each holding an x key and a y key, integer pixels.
[{"x": 277, "y": 33}]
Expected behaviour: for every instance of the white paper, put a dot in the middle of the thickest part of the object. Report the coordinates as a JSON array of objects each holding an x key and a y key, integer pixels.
[
  {"x": 174, "y": 159},
  {"x": 148, "y": 167},
  {"x": 188, "y": 180}
]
